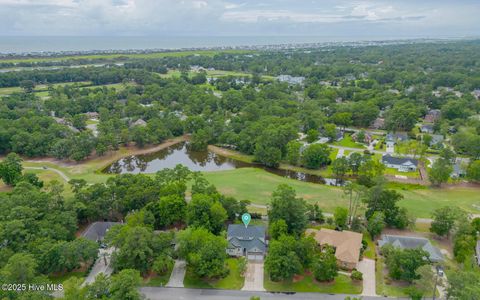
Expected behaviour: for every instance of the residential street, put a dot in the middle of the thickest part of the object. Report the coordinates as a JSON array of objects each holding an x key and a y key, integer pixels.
[{"x": 157, "y": 293}]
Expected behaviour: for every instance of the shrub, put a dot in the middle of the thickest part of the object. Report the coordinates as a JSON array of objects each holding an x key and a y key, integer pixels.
[{"x": 356, "y": 275}]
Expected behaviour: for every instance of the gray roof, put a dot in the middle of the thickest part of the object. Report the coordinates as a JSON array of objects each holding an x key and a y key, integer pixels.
[
  {"x": 398, "y": 136},
  {"x": 399, "y": 160},
  {"x": 97, "y": 230},
  {"x": 252, "y": 238},
  {"x": 410, "y": 242},
  {"x": 436, "y": 139}
]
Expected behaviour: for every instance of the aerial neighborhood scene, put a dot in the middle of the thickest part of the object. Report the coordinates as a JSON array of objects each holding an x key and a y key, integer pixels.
[{"x": 215, "y": 149}]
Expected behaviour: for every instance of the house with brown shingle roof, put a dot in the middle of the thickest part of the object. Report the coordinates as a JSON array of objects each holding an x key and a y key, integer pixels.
[{"x": 347, "y": 245}]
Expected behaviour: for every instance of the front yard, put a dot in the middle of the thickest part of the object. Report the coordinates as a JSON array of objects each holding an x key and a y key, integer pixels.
[
  {"x": 233, "y": 281},
  {"x": 307, "y": 283}
]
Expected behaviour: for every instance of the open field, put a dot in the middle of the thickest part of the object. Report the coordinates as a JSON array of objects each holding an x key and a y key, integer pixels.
[
  {"x": 123, "y": 56},
  {"x": 41, "y": 90}
]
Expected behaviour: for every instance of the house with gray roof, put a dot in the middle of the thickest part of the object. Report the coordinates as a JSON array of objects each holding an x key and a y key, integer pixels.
[
  {"x": 437, "y": 139},
  {"x": 410, "y": 242},
  {"x": 459, "y": 170},
  {"x": 402, "y": 164},
  {"x": 96, "y": 231},
  {"x": 246, "y": 241}
]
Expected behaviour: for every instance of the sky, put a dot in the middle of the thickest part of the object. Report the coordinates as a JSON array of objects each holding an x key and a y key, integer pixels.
[{"x": 380, "y": 18}]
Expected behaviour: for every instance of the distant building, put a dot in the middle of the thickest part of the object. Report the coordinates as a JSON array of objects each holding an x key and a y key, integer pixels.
[
  {"x": 426, "y": 128},
  {"x": 432, "y": 116},
  {"x": 96, "y": 231},
  {"x": 291, "y": 79},
  {"x": 92, "y": 115},
  {"x": 139, "y": 122},
  {"x": 437, "y": 139},
  {"x": 459, "y": 170},
  {"x": 410, "y": 242},
  {"x": 476, "y": 94},
  {"x": 400, "y": 163},
  {"x": 347, "y": 245},
  {"x": 397, "y": 137},
  {"x": 246, "y": 241},
  {"x": 367, "y": 140}
]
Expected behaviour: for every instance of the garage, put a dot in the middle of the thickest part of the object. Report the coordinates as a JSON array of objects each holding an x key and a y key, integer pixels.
[{"x": 255, "y": 256}]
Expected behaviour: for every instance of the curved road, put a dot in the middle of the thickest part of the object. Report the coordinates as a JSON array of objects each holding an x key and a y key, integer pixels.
[{"x": 65, "y": 177}]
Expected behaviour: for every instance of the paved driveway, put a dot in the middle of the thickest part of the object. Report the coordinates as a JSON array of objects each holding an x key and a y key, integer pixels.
[
  {"x": 254, "y": 277},
  {"x": 178, "y": 274},
  {"x": 102, "y": 265},
  {"x": 367, "y": 267}
]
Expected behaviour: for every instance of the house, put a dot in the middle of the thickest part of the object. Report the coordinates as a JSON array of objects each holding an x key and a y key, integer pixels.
[
  {"x": 96, "y": 231},
  {"x": 247, "y": 241},
  {"x": 402, "y": 164},
  {"x": 426, "y": 128},
  {"x": 92, "y": 115},
  {"x": 410, "y": 242},
  {"x": 476, "y": 94},
  {"x": 432, "y": 116},
  {"x": 291, "y": 79},
  {"x": 397, "y": 137},
  {"x": 366, "y": 140},
  {"x": 339, "y": 135},
  {"x": 437, "y": 139},
  {"x": 139, "y": 122},
  {"x": 347, "y": 245},
  {"x": 459, "y": 170}
]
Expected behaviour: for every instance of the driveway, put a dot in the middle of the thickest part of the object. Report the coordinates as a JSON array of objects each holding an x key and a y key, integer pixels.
[
  {"x": 178, "y": 274},
  {"x": 254, "y": 277},
  {"x": 367, "y": 267},
  {"x": 102, "y": 265}
]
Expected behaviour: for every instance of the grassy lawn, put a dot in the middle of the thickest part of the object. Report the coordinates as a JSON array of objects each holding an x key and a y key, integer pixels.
[
  {"x": 233, "y": 281},
  {"x": 342, "y": 285},
  {"x": 157, "y": 280},
  {"x": 62, "y": 278},
  {"x": 347, "y": 141},
  {"x": 393, "y": 172}
]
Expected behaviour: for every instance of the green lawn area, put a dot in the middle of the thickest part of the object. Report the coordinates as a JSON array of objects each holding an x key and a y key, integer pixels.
[
  {"x": 370, "y": 251},
  {"x": 62, "y": 278},
  {"x": 348, "y": 142},
  {"x": 342, "y": 285},
  {"x": 233, "y": 281}
]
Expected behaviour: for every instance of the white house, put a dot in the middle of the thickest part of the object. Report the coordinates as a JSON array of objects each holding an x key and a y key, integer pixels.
[{"x": 401, "y": 164}]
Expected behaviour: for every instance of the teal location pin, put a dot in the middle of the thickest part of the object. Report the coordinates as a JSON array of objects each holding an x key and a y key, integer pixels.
[{"x": 246, "y": 219}]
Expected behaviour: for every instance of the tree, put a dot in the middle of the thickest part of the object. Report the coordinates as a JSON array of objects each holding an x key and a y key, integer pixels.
[
  {"x": 282, "y": 261},
  {"x": 312, "y": 135},
  {"x": 125, "y": 285},
  {"x": 325, "y": 267},
  {"x": 464, "y": 247},
  {"x": 32, "y": 179},
  {"x": 100, "y": 288},
  {"x": 277, "y": 229},
  {"x": 27, "y": 85},
  {"x": 341, "y": 217},
  {"x": 376, "y": 223},
  {"x": 426, "y": 281},
  {"x": 440, "y": 172},
  {"x": 73, "y": 289},
  {"x": 463, "y": 284},
  {"x": 340, "y": 167},
  {"x": 315, "y": 156},
  {"x": 11, "y": 169},
  {"x": 445, "y": 219},
  {"x": 169, "y": 210},
  {"x": 403, "y": 263},
  {"x": 207, "y": 212},
  {"x": 162, "y": 264},
  {"x": 293, "y": 152},
  {"x": 354, "y": 192},
  {"x": 473, "y": 171},
  {"x": 314, "y": 213},
  {"x": 355, "y": 160},
  {"x": 330, "y": 131},
  {"x": 286, "y": 206},
  {"x": 20, "y": 268},
  {"x": 204, "y": 252}
]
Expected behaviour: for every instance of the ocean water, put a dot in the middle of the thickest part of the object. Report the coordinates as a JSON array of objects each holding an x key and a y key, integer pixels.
[{"x": 25, "y": 44}]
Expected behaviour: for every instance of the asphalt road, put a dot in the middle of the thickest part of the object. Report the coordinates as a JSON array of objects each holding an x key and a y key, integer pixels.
[{"x": 158, "y": 293}]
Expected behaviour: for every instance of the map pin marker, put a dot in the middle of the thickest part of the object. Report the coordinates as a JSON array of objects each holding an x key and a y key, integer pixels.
[{"x": 246, "y": 219}]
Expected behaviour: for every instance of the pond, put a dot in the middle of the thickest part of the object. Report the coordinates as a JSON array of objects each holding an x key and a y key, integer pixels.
[{"x": 204, "y": 161}]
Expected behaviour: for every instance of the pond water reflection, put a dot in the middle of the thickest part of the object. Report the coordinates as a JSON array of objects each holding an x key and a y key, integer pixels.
[{"x": 204, "y": 161}]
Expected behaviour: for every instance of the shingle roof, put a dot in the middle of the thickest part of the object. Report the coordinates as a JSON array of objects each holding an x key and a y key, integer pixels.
[
  {"x": 252, "y": 238},
  {"x": 347, "y": 243},
  {"x": 398, "y": 160},
  {"x": 97, "y": 230},
  {"x": 410, "y": 242}
]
